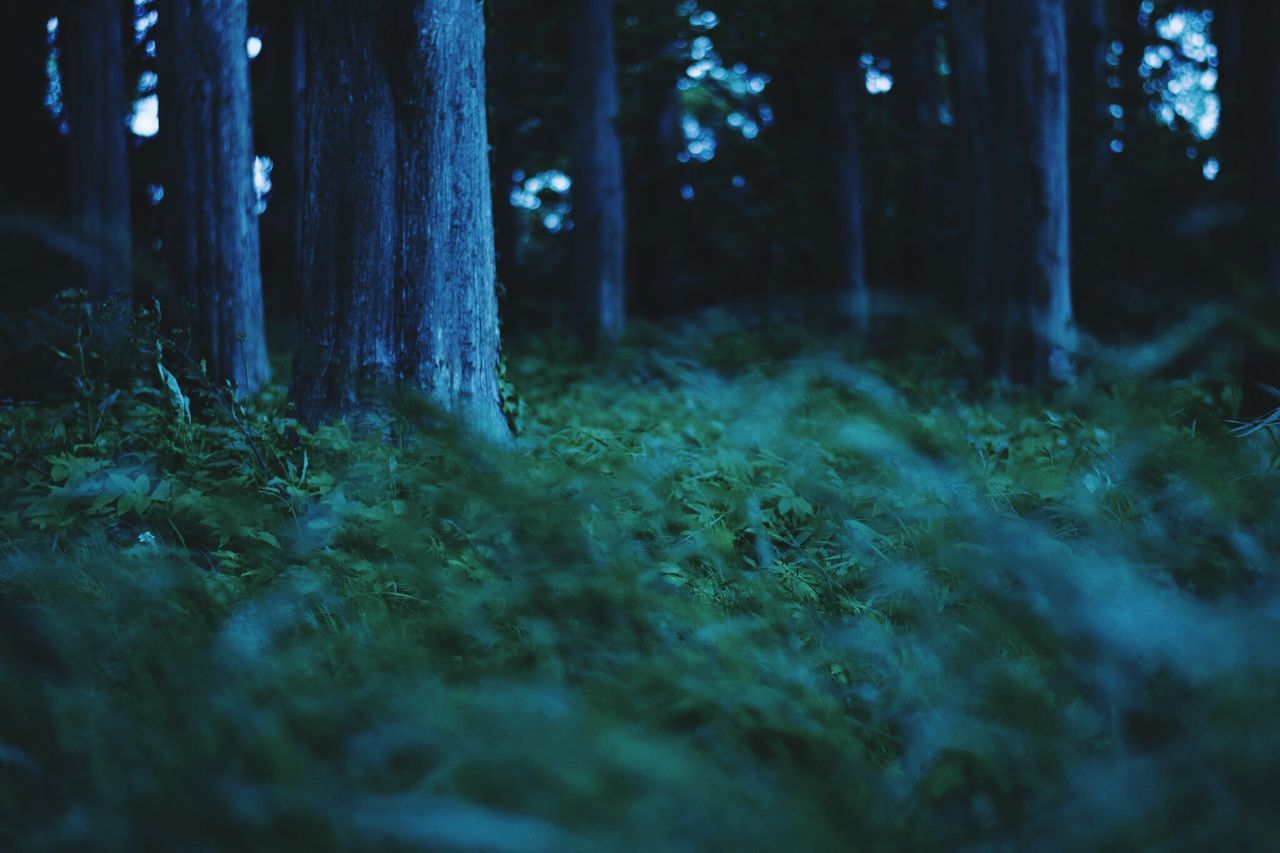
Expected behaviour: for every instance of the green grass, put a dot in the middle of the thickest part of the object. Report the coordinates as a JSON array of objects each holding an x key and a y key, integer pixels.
[{"x": 733, "y": 589}]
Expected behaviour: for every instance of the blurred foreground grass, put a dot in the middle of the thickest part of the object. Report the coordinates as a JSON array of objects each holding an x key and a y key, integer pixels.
[{"x": 732, "y": 589}]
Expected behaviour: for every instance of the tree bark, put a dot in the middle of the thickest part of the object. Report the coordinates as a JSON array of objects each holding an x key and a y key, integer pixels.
[
  {"x": 971, "y": 96},
  {"x": 96, "y": 100},
  {"x": 398, "y": 254},
  {"x": 599, "y": 238},
  {"x": 1031, "y": 270},
  {"x": 210, "y": 225}
]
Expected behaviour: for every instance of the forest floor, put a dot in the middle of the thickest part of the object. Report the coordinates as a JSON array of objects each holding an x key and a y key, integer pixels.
[{"x": 731, "y": 589}]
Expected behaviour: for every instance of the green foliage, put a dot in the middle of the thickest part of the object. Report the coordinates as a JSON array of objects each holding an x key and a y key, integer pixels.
[{"x": 732, "y": 589}]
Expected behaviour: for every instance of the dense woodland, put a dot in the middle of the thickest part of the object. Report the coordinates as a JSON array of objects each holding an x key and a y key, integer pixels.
[{"x": 635, "y": 425}]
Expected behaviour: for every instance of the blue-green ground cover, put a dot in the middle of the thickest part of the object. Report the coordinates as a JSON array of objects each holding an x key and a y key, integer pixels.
[{"x": 732, "y": 588}]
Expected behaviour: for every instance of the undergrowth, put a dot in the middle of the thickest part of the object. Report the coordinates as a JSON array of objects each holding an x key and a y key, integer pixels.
[{"x": 733, "y": 588}]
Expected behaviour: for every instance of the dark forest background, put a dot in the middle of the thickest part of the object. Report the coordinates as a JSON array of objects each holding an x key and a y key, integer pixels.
[{"x": 622, "y": 424}]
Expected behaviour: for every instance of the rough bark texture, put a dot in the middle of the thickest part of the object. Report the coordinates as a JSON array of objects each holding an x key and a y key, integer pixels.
[
  {"x": 398, "y": 253},
  {"x": 211, "y": 230},
  {"x": 1031, "y": 267},
  {"x": 599, "y": 238},
  {"x": 96, "y": 100},
  {"x": 971, "y": 98}
]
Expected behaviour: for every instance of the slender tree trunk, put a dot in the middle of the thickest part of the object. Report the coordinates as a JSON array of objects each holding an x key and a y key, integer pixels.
[
  {"x": 96, "y": 101},
  {"x": 850, "y": 234},
  {"x": 211, "y": 229},
  {"x": 281, "y": 128},
  {"x": 398, "y": 254},
  {"x": 1028, "y": 79},
  {"x": 599, "y": 240},
  {"x": 971, "y": 96}
]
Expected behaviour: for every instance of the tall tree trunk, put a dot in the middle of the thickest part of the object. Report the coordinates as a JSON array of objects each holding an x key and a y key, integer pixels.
[
  {"x": 211, "y": 229},
  {"x": 850, "y": 90},
  {"x": 1028, "y": 79},
  {"x": 398, "y": 255},
  {"x": 599, "y": 239},
  {"x": 281, "y": 130},
  {"x": 96, "y": 102},
  {"x": 971, "y": 96}
]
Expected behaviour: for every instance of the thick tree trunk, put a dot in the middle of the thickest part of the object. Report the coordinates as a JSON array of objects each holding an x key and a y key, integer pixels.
[
  {"x": 346, "y": 357},
  {"x": 971, "y": 97},
  {"x": 599, "y": 239},
  {"x": 92, "y": 36},
  {"x": 211, "y": 229},
  {"x": 1028, "y": 79},
  {"x": 398, "y": 256}
]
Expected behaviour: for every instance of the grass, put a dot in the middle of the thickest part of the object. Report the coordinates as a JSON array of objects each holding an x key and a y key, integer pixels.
[{"x": 734, "y": 588}]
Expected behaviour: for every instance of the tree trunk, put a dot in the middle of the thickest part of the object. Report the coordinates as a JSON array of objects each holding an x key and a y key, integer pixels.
[
  {"x": 96, "y": 100},
  {"x": 599, "y": 239},
  {"x": 211, "y": 229},
  {"x": 971, "y": 96},
  {"x": 846, "y": 161},
  {"x": 1028, "y": 79},
  {"x": 398, "y": 254},
  {"x": 281, "y": 129}
]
